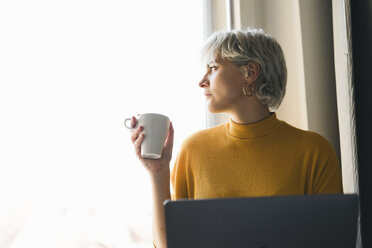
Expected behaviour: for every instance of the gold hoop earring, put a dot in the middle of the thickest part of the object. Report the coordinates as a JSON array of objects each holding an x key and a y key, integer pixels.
[{"x": 249, "y": 93}]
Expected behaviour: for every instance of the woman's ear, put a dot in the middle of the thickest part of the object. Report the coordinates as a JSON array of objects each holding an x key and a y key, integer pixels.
[{"x": 253, "y": 71}]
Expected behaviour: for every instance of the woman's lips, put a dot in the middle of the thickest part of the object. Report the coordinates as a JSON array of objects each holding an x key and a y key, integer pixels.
[{"x": 207, "y": 94}]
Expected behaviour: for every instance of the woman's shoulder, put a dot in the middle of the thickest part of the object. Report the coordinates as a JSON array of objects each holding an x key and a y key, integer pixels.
[
  {"x": 204, "y": 136},
  {"x": 306, "y": 137}
]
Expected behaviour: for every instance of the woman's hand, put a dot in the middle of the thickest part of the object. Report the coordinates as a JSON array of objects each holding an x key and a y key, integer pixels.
[{"x": 153, "y": 166}]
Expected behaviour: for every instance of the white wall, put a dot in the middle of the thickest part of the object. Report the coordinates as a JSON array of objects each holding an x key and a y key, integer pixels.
[
  {"x": 346, "y": 114},
  {"x": 320, "y": 86}
]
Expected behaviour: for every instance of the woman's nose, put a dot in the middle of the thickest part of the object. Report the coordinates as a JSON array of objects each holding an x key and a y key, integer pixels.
[{"x": 204, "y": 82}]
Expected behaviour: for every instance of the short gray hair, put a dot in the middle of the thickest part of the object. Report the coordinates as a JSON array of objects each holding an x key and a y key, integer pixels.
[{"x": 252, "y": 45}]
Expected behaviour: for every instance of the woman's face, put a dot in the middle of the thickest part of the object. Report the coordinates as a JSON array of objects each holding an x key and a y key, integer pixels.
[{"x": 222, "y": 84}]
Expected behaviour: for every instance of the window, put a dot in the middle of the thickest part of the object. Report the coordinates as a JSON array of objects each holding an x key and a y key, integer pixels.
[{"x": 70, "y": 73}]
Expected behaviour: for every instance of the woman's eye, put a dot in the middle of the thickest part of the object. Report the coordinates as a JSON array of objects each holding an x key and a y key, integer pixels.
[{"x": 212, "y": 67}]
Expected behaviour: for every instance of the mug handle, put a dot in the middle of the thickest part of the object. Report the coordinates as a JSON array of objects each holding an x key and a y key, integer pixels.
[{"x": 125, "y": 123}]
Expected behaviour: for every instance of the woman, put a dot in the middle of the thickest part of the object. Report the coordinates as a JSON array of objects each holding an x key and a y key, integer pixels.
[{"x": 254, "y": 153}]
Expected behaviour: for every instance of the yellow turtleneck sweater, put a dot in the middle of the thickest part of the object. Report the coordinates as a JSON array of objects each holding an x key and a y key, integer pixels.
[{"x": 266, "y": 158}]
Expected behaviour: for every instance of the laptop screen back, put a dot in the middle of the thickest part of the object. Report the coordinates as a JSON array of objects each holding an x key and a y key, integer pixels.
[{"x": 320, "y": 221}]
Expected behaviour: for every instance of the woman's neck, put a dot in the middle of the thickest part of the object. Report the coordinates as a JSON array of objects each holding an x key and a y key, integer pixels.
[{"x": 250, "y": 114}]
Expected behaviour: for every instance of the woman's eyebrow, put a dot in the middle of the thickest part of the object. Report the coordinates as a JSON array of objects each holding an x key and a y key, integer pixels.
[{"x": 211, "y": 62}]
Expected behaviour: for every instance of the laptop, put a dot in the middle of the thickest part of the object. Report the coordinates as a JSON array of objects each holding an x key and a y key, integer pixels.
[{"x": 312, "y": 221}]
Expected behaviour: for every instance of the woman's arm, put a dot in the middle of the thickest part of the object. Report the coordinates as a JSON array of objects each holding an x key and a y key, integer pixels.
[
  {"x": 160, "y": 192},
  {"x": 158, "y": 170}
]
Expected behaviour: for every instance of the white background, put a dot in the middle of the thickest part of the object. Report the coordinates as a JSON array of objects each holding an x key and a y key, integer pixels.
[{"x": 70, "y": 73}]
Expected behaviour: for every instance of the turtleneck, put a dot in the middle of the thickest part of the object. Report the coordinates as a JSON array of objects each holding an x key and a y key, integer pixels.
[
  {"x": 254, "y": 130},
  {"x": 265, "y": 158}
]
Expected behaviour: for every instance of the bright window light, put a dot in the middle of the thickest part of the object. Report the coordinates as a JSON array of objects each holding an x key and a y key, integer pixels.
[{"x": 70, "y": 72}]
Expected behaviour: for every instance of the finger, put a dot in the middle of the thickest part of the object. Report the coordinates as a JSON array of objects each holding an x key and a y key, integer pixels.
[
  {"x": 133, "y": 122},
  {"x": 136, "y": 133},
  {"x": 137, "y": 145}
]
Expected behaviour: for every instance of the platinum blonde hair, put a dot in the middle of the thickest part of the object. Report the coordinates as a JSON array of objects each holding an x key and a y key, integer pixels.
[{"x": 252, "y": 45}]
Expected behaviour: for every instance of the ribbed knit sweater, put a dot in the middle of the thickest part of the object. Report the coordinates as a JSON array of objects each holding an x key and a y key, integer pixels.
[{"x": 266, "y": 158}]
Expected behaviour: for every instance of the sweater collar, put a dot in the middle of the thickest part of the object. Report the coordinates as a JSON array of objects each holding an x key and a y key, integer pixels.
[{"x": 254, "y": 130}]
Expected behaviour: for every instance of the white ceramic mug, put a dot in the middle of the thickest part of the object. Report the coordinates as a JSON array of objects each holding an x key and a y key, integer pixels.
[{"x": 155, "y": 128}]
